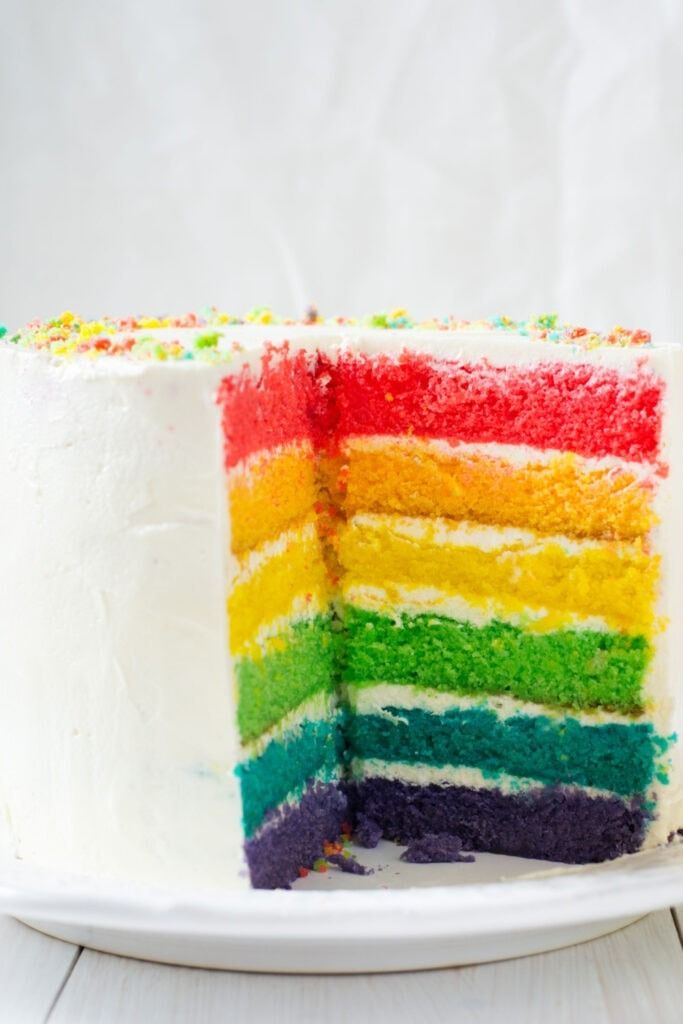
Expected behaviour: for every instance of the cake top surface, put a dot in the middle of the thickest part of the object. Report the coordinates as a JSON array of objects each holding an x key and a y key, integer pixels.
[{"x": 206, "y": 337}]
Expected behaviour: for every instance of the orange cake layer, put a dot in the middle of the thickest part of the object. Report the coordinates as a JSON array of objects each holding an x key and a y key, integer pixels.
[
  {"x": 270, "y": 491},
  {"x": 562, "y": 494}
]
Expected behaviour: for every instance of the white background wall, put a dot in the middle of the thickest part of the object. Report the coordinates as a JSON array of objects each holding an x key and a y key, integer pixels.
[{"x": 465, "y": 156}]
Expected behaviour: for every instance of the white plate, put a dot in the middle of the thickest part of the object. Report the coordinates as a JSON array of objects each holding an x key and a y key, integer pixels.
[{"x": 402, "y": 917}]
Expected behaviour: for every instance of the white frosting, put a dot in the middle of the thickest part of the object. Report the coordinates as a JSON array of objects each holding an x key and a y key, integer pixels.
[
  {"x": 117, "y": 739},
  {"x": 418, "y": 600},
  {"x": 516, "y": 455},
  {"x": 248, "y": 564},
  {"x": 245, "y": 470},
  {"x": 500, "y": 348},
  {"x": 451, "y": 775},
  {"x": 318, "y": 708},
  {"x": 374, "y": 700},
  {"x": 302, "y": 609},
  {"x": 487, "y": 538},
  {"x": 117, "y": 734}
]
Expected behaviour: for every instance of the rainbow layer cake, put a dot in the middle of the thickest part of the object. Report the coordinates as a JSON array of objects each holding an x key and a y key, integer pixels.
[{"x": 292, "y": 576}]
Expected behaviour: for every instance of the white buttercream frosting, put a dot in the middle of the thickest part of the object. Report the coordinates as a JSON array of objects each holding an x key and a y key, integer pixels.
[
  {"x": 117, "y": 735},
  {"x": 248, "y": 564},
  {"x": 375, "y": 699},
  {"x": 515, "y": 455},
  {"x": 444, "y": 532},
  {"x": 419, "y": 600},
  {"x": 451, "y": 775},
  {"x": 321, "y": 707}
]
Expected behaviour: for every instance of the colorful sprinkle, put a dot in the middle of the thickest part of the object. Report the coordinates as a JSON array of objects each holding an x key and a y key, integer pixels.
[
  {"x": 134, "y": 336},
  {"x": 209, "y": 340}
]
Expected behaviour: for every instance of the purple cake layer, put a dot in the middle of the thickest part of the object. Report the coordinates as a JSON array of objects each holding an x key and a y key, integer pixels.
[
  {"x": 293, "y": 836},
  {"x": 549, "y": 823}
]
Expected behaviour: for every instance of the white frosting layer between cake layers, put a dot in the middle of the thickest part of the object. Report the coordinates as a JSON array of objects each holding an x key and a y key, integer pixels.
[
  {"x": 515, "y": 455},
  {"x": 375, "y": 699},
  {"x": 453, "y": 775}
]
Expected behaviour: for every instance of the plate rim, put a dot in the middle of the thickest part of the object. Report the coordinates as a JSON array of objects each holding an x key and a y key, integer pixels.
[{"x": 542, "y": 899}]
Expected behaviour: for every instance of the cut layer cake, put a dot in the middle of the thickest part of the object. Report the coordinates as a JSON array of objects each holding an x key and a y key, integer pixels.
[{"x": 449, "y": 558}]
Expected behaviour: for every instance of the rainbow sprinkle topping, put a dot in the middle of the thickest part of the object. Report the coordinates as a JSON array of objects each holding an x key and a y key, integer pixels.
[{"x": 141, "y": 337}]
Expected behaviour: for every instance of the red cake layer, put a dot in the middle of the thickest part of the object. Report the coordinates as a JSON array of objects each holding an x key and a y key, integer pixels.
[
  {"x": 590, "y": 410},
  {"x": 269, "y": 410}
]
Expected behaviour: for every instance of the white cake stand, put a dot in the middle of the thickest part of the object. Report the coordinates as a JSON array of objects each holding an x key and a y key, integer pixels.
[{"x": 402, "y": 917}]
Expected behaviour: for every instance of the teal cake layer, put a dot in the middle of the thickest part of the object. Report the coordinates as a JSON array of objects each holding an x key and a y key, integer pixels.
[
  {"x": 313, "y": 750},
  {"x": 619, "y": 758}
]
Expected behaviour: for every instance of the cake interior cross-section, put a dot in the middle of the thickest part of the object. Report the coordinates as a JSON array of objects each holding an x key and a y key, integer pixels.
[
  {"x": 444, "y": 596},
  {"x": 452, "y": 581}
]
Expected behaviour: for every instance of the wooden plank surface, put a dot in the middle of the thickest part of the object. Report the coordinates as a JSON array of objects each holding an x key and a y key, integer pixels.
[
  {"x": 33, "y": 969},
  {"x": 630, "y": 977}
]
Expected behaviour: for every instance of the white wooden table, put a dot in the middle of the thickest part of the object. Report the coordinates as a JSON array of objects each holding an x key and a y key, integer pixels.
[{"x": 635, "y": 975}]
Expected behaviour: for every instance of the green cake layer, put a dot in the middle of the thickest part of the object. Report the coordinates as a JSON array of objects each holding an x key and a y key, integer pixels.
[
  {"x": 314, "y": 749},
  {"x": 572, "y": 668},
  {"x": 615, "y": 757},
  {"x": 303, "y": 664}
]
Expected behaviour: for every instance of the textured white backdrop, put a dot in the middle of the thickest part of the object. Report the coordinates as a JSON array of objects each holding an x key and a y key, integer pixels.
[{"x": 465, "y": 156}]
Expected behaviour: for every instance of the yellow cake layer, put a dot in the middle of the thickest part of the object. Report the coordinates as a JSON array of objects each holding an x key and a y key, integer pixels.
[
  {"x": 268, "y": 492},
  {"x": 276, "y": 582},
  {"x": 506, "y": 570},
  {"x": 562, "y": 494}
]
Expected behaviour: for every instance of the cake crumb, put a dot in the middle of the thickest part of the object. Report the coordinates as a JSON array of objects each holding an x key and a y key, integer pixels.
[
  {"x": 348, "y": 864},
  {"x": 436, "y": 849},
  {"x": 367, "y": 832}
]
